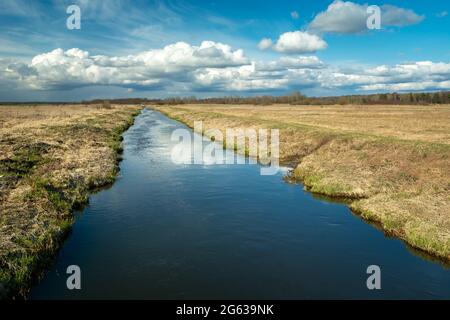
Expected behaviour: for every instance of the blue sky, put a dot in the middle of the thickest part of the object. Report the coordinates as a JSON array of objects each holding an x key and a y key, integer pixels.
[{"x": 317, "y": 47}]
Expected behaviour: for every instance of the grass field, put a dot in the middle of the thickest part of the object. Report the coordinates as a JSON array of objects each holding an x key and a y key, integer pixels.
[
  {"x": 51, "y": 158},
  {"x": 391, "y": 162}
]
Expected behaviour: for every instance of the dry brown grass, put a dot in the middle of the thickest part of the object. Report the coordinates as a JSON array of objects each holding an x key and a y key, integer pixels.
[
  {"x": 393, "y": 162},
  {"x": 51, "y": 157},
  {"x": 421, "y": 123}
]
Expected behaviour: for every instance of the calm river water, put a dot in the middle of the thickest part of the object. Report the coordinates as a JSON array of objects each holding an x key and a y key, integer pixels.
[{"x": 167, "y": 231}]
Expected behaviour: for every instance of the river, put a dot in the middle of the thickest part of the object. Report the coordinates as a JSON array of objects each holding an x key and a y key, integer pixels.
[{"x": 168, "y": 231}]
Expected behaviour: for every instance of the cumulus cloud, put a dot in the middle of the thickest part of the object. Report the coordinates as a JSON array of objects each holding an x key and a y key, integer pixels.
[
  {"x": 422, "y": 75},
  {"x": 341, "y": 17},
  {"x": 211, "y": 66},
  {"x": 399, "y": 17},
  {"x": 244, "y": 78},
  {"x": 309, "y": 72},
  {"x": 299, "y": 42},
  {"x": 302, "y": 72},
  {"x": 61, "y": 69},
  {"x": 408, "y": 86},
  {"x": 265, "y": 44},
  {"x": 291, "y": 62},
  {"x": 347, "y": 17}
]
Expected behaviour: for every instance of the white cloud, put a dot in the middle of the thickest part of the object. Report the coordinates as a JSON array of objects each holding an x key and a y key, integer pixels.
[
  {"x": 209, "y": 67},
  {"x": 74, "y": 67},
  {"x": 299, "y": 42},
  {"x": 409, "y": 75},
  {"x": 291, "y": 62},
  {"x": 309, "y": 72},
  {"x": 244, "y": 78},
  {"x": 265, "y": 44},
  {"x": 348, "y": 17},
  {"x": 408, "y": 86},
  {"x": 399, "y": 17},
  {"x": 442, "y": 14},
  {"x": 341, "y": 17}
]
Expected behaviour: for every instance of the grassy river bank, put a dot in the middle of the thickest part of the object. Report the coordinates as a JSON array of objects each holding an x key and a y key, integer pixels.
[{"x": 51, "y": 159}]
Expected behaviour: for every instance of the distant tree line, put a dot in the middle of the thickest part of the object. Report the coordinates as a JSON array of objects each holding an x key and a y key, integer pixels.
[{"x": 295, "y": 98}]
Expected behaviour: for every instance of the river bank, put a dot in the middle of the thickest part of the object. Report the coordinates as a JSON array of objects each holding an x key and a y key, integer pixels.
[
  {"x": 51, "y": 159},
  {"x": 391, "y": 162}
]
